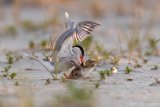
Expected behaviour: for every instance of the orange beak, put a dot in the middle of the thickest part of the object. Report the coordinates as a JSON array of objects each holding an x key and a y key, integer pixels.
[{"x": 81, "y": 59}]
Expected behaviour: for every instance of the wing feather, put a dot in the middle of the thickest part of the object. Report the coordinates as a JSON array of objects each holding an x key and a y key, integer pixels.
[
  {"x": 64, "y": 43},
  {"x": 83, "y": 29}
]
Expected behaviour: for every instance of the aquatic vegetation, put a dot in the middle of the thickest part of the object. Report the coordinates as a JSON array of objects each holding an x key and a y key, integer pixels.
[{"x": 103, "y": 75}]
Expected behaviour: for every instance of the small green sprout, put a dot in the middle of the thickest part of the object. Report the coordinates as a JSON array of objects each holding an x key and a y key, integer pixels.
[
  {"x": 9, "y": 58},
  {"x": 28, "y": 25},
  {"x": 7, "y": 74},
  {"x": 109, "y": 72},
  {"x": 6, "y": 69},
  {"x": 104, "y": 73},
  {"x": 11, "y": 30},
  {"x": 97, "y": 85},
  {"x": 153, "y": 42},
  {"x": 128, "y": 70},
  {"x": 43, "y": 43},
  {"x": 12, "y": 75},
  {"x": 152, "y": 50},
  {"x": 31, "y": 44}
]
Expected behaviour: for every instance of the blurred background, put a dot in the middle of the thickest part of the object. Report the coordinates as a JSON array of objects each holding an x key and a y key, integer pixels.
[{"x": 129, "y": 30}]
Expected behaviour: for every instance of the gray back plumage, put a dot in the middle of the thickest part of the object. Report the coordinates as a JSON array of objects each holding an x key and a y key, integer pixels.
[{"x": 62, "y": 38}]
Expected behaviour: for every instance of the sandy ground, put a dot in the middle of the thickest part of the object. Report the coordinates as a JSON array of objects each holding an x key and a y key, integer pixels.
[{"x": 117, "y": 91}]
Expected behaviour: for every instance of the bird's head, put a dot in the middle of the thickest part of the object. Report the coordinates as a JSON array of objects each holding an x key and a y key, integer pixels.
[{"x": 77, "y": 49}]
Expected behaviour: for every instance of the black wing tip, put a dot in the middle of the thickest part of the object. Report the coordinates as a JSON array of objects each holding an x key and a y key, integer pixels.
[{"x": 95, "y": 23}]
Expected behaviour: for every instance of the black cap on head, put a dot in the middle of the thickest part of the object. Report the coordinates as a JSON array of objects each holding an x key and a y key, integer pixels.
[{"x": 81, "y": 48}]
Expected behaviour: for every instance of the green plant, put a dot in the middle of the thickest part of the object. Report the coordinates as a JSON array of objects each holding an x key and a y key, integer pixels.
[
  {"x": 12, "y": 75},
  {"x": 102, "y": 74},
  {"x": 97, "y": 85},
  {"x": 11, "y": 30},
  {"x": 6, "y": 71},
  {"x": 128, "y": 70},
  {"x": 9, "y": 58},
  {"x": 28, "y": 25},
  {"x": 7, "y": 74},
  {"x": 152, "y": 43},
  {"x": 43, "y": 43},
  {"x": 31, "y": 44}
]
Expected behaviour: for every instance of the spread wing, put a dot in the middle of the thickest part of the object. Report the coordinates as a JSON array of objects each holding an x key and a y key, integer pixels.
[
  {"x": 65, "y": 42},
  {"x": 83, "y": 29}
]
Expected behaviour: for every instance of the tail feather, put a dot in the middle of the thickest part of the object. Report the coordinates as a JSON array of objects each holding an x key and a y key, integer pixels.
[{"x": 49, "y": 66}]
